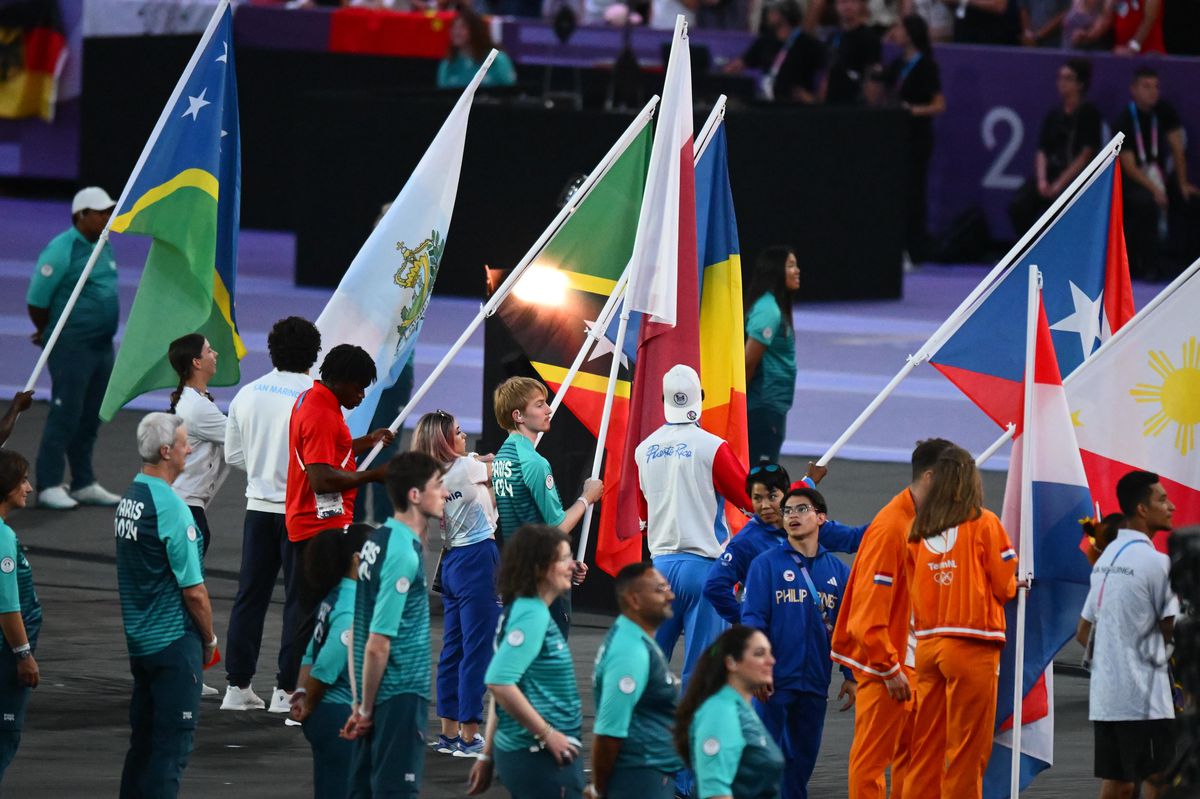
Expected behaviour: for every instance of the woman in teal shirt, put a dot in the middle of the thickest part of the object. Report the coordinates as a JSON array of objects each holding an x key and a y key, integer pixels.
[
  {"x": 717, "y": 732},
  {"x": 770, "y": 350},
  {"x": 470, "y": 43},
  {"x": 533, "y": 732},
  {"x": 323, "y": 700},
  {"x": 20, "y": 611}
]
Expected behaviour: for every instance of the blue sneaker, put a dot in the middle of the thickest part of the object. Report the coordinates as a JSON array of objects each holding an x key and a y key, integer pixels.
[
  {"x": 472, "y": 749},
  {"x": 447, "y": 746}
]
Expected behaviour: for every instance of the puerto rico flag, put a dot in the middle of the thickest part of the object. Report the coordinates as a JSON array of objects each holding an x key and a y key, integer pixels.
[
  {"x": 1087, "y": 296},
  {"x": 1055, "y": 490},
  {"x": 1136, "y": 403}
]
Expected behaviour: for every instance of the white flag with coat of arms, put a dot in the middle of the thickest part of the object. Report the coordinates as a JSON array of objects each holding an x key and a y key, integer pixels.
[{"x": 380, "y": 302}]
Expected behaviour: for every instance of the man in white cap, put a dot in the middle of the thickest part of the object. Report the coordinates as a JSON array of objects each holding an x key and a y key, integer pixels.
[
  {"x": 82, "y": 359},
  {"x": 686, "y": 475}
]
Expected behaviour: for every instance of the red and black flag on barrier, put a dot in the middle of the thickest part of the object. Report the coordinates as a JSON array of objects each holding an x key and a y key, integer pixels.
[{"x": 33, "y": 50}]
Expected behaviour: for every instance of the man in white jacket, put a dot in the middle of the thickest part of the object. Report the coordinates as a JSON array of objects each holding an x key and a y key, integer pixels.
[{"x": 256, "y": 440}]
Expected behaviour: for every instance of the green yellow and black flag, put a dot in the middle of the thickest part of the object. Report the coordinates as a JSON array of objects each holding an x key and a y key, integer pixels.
[{"x": 33, "y": 50}]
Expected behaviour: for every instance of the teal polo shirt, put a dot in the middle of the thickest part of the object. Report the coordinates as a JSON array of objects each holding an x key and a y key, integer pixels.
[
  {"x": 636, "y": 696},
  {"x": 524, "y": 486},
  {"x": 774, "y": 383},
  {"x": 732, "y": 754},
  {"x": 17, "y": 593},
  {"x": 326, "y": 652},
  {"x": 391, "y": 600},
  {"x": 158, "y": 555},
  {"x": 94, "y": 318}
]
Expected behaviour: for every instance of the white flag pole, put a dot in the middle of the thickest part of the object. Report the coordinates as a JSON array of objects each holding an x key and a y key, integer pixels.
[
  {"x": 49, "y": 343},
  {"x": 1009, "y": 430},
  {"x": 1025, "y": 562},
  {"x": 1146, "y": 311},
  {"x": 952, "y": 323},
  {"x": 489, "y": 308},
  {"x": 596, "y": 331}
]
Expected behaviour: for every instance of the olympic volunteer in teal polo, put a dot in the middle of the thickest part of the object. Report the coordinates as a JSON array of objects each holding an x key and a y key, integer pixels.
[
  {"x": 533, "y": 735},
  {"x": 770, "y": 350},
  {"x": 20, "y": 611},
  {"x": 391, "y": 636},
  {"x": 636, "y": 694},
  {"x": 521, "y": 478},
  {"x": 82, "y": 359},
  {"x": 722, "y": 737},
  {"x": 165, "y": 610}
]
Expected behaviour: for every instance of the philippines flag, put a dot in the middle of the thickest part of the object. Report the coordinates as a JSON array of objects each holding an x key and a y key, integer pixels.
[
  {"x": 1136, "y": 404},
  {"x": 1055, "y": 493},
  {"x": 664, "y": 282},
  {"x": 1087, "y": 295}
]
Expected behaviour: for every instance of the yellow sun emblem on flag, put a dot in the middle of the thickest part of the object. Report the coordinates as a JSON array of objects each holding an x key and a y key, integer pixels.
[{"x": 1178, "y": 396}]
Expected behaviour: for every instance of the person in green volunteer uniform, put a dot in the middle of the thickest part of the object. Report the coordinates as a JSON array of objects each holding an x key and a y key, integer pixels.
[
  {"x": 322, "y": 699},
  {"x": 165, "y": 610},
  {"x": 20, "y": 611},
  {"x": 522, "y": 481},
  {"x": 533, "y": 732},
  {"x": 717, "y": 731},
  {"x": 636, "y": 695},
  {"x": 391, "y": 636},
  {"x": 770, "y": 350},
  {"x": 82, "y": 359}
]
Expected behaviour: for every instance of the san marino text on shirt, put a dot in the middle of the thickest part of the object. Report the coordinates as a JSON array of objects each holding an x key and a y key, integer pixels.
[
  {"x": 656, "y": 451},
  {"x": 270, "y": 389}
]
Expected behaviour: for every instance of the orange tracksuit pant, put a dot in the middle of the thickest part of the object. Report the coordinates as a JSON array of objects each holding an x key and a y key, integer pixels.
[
  {"x": 956, "y": 713},
  {"x": 882, "y": 730}
]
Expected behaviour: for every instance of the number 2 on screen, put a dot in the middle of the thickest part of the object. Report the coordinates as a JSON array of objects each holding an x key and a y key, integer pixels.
[{"x": 997, "y": 177}]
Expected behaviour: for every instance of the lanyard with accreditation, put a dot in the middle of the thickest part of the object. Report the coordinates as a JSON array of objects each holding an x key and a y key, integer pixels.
[{"x": 812, "y": 592}]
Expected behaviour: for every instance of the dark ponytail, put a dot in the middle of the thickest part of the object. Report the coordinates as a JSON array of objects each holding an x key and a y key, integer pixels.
[
  {"x": 709, "y": 675},
  {"x": 180, "y": 355}
]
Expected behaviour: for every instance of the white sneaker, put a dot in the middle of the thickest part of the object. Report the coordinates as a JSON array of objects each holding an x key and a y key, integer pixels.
[
  {"x": 208, "y": 690},
  {"x": 241, "y": 699},
  {"x": 95, "y": 494},
  {"x": 281, "y": 702},
  {"x": 56, "y": 498},
  {"x": 291, "y": 722}
]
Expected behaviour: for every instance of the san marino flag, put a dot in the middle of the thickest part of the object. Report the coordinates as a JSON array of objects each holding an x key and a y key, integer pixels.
[
  {"x": 185, "y": 193},
  {"x": 380, "y": 303}
]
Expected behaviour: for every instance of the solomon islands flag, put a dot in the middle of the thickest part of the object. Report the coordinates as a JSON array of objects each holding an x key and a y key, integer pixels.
[{"x": 185, "y": 193}]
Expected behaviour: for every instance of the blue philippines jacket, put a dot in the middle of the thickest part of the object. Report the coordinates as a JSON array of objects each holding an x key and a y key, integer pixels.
[
  {"x": 754, "y": 539},
  {"x": 778, "y": 602}
]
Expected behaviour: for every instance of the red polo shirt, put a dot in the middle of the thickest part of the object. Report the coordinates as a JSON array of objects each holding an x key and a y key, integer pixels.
[{"x": 317, "y": 433}]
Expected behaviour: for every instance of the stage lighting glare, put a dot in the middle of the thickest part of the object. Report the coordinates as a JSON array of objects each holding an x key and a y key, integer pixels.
[{"x": 542, "y": 285}]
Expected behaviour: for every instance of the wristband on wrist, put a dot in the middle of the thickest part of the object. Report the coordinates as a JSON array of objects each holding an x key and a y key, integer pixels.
[
  {"x": 213, "y": 643},
  {"x": 482, "y": 758},
  {"x": 585, "y": 502},
  {"x": 544, "y": 734},
  {"x": 16, "y": 650},
  {"x": 300, "y": 692},
  {"x": 364, "y": 713}
]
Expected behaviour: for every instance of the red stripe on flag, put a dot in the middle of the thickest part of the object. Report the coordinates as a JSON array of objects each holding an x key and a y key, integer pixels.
[
  {"x": 1035, "y": 706},
  {"x": 1118, "y": 292},
  {"x": 43, "y": 49},
  {"x": 1103, "y": 474},
  {"x": 1002, "y": 400}
]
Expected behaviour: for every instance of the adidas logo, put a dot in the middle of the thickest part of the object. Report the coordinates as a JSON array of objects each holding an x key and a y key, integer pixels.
[{"x": 833, "y": 581}]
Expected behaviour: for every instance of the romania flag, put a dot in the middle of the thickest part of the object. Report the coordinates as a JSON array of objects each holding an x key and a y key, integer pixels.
[
  {"x": 185, "y": 194},
  {"x": 33, "y": 50}
]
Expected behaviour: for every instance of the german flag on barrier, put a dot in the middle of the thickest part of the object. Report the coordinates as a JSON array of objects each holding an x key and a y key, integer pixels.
[
  {"x": 185, "y": 193},
  {"x": 561, "y": 296},
  {"x": 33, "y": 50}
]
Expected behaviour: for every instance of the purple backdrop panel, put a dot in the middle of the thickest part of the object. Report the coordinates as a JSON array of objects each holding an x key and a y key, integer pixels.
[
  {"x": 279, "y": 28},
  {"x": 996, "y": 98}
]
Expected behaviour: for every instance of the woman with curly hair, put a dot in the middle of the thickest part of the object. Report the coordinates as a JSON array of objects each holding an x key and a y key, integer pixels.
[{"x": 533, "y": 735}]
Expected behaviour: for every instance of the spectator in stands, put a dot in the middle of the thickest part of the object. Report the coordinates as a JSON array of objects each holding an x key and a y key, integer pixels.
[
  {"x": 853, "y": 48},
  {"x": 917, "y": 84},
  {"x": 1131, "y": 26},
  {"x": 1157, "y": 188},
  {"x": 1070, "y": 138},
  {"x": 664, "y": 12},
  {"x": 937, "y": 16},
  {"x": 984, "y": 21},
  {"x": 1041, "y": 21},
  {"x": 788, "y": 57},
  {"x": 470, "y": 43}
]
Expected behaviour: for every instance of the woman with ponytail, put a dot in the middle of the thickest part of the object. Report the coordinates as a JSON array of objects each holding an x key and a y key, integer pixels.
[
  {"x": 717, "y": 732},
  {"x": 195, "y": 361}
]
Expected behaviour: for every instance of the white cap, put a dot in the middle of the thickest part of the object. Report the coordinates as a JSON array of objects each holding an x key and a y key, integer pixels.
[
  {"x": 93, "y": 198},
  {"x": 682, "y": 396}
]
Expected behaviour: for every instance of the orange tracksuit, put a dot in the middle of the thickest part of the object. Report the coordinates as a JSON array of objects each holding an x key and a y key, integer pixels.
[
  {"x": 960, "y": 580},
  {"x": 871, "y": 637}
]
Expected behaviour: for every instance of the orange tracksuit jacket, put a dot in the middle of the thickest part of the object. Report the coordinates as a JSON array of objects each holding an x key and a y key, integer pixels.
[
  {"x": 871, "y": 637},
  {"x": 960, "y": 581}
]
